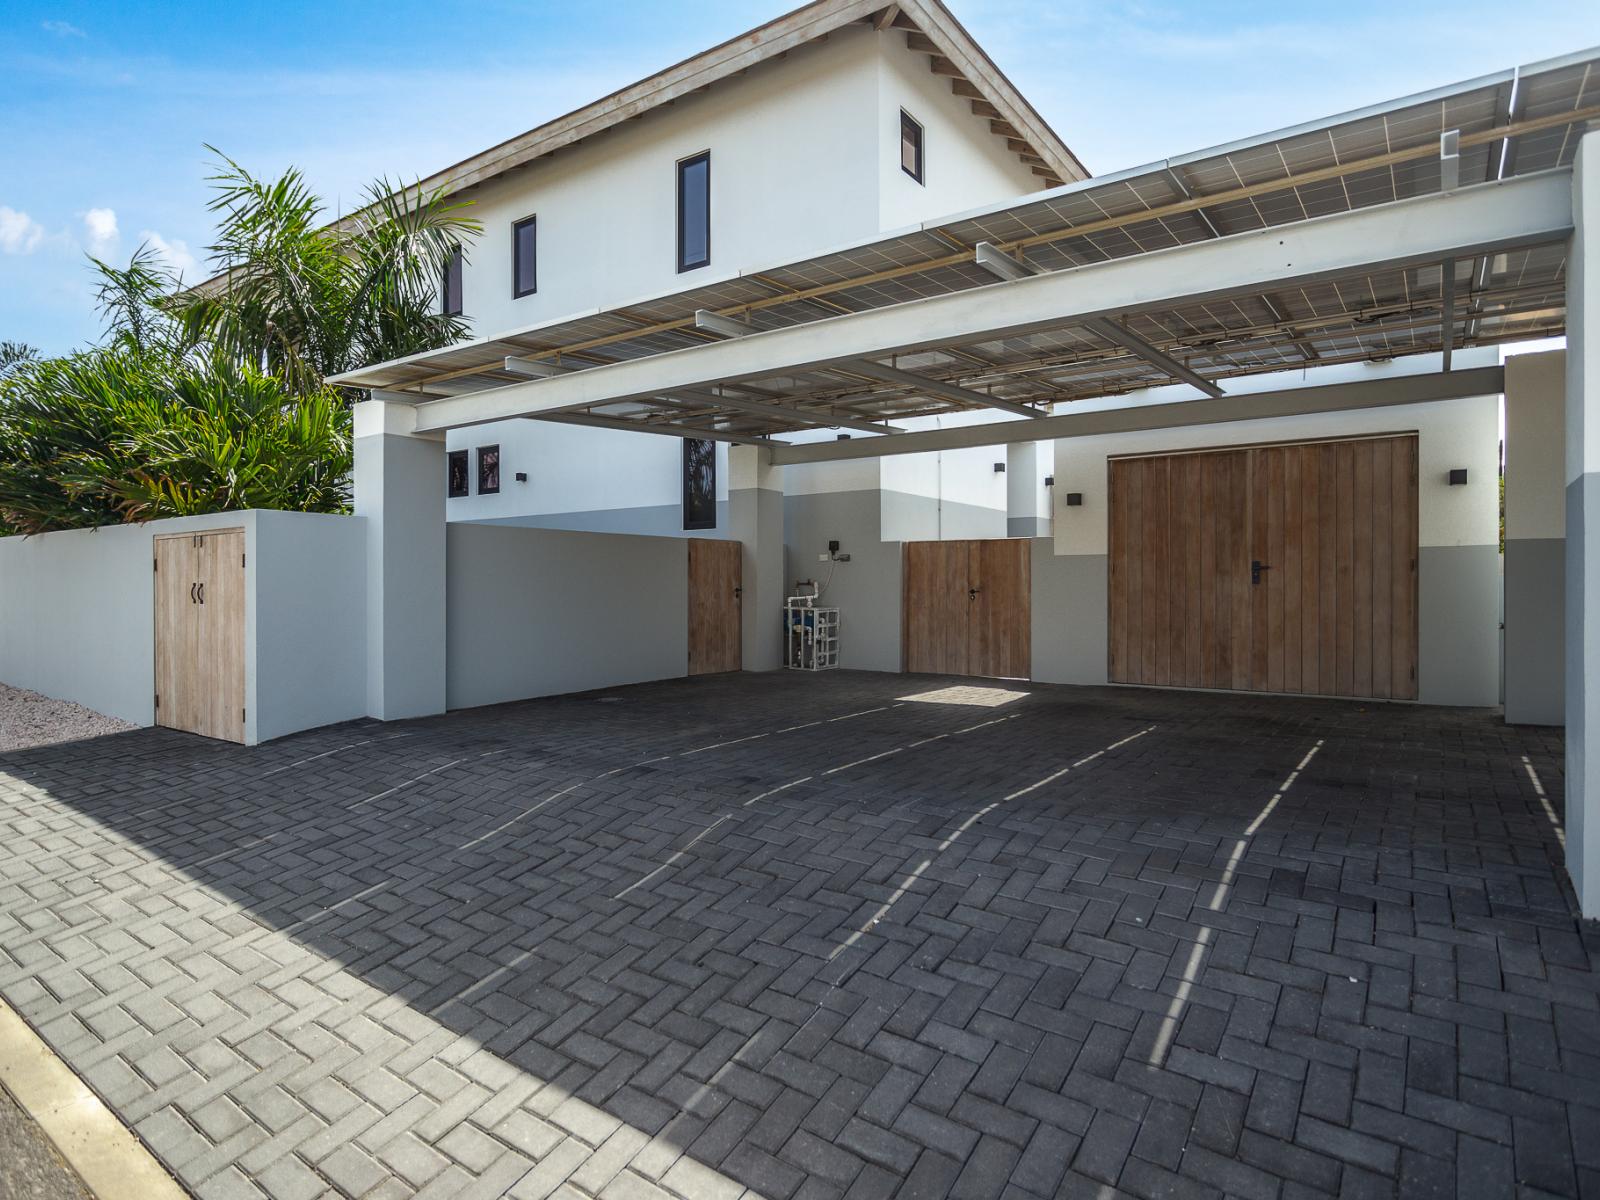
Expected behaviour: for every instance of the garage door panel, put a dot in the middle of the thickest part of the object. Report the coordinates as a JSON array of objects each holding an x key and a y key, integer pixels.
[{"x": 1334, "y": 528}]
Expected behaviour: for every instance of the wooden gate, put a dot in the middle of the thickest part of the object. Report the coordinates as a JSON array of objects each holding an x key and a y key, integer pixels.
[
  {"x": 967, "y": 608},
  {"x": 715, "y": 586},
  {"x": 1268, "y": 568},
  {"x": 199, "y": 609}
]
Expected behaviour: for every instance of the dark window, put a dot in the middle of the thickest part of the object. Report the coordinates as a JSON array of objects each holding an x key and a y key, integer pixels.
[
  {"x": 694, "y": 212},
  {"x": 525, "y": 257},
  {"x": 699, "y": 484},
  {"x": 488, "y": 470},
  {"x": 910, "y": 146},
  {"x": 457, "y": 472},
  {"x": 452, "y": 283}
]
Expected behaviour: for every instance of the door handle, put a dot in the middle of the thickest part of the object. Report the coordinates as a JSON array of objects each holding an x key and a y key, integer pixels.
[
  {"x": 193, "y": 599},
  {"x": 972, "y": 593},
  {"x": 738, "y": 592},
  {"x": 202, "y": 588},
  {"x": 1256, "y": 567}
]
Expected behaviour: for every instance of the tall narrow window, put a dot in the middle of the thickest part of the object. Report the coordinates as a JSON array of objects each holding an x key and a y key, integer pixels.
[
  {"x": 525, "y": 257},
  {"x": 488, "y": 470},
  {"x": 694, "y": 212},
  {"x": 452, "y": 283},
  {"x": 910, "y": 146},
  {"x": 457, "y": 476},
  {"x": 699, "y": 484}
]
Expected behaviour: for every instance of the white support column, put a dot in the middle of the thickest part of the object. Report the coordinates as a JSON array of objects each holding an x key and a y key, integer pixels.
[
  {"x": 1583, "y": 530},
  {"x": 1536, "y": 521},
  {"x": 400, "y": 491},
  {"x": 1027, "y": 505},
  {"x": 755, "y": 519}
]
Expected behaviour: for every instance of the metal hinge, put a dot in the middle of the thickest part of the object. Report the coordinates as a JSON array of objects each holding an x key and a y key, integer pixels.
[
  {"x": 241, "y": 716},
  {"x": 241, "y": 560},
  {"x": 155, "y": 564},
  {"x": 158, "y": 699}
]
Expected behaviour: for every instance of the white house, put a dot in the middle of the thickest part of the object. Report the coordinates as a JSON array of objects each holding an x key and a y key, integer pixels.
[{"x": 1230, "y": 420}]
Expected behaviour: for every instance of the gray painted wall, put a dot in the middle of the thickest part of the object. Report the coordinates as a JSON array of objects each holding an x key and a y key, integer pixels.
[
  {"x": 1069, "y": 616},
  {"x": 77, "y": 617},
  {"x": 77, "y": 614},
  {"x": 309, "y": 601},
  {"x": 866, "y": 590},
  {"x": 1458, "y": 625},
  {"x": 538, "y": 612},
  {"x": 1536, "y": 616},
  {"x": 918, "y": 518}
]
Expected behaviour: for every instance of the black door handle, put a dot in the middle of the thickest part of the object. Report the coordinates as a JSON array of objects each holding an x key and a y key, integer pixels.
[
  {"x": 202, "y": 588},
  {"x": 1256, "y": 567},
  {"x": 738, "y": 592},
  {"x": 192, "y": 597},
  {"x": 972, "y": 593}
]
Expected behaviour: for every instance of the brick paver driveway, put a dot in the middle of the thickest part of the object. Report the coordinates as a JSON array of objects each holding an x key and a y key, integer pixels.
[{"x": 806, "y": 936}]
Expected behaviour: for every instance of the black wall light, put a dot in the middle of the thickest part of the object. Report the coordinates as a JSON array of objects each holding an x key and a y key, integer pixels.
[
  {"x": 522, "y": 477},
  {"x": 1074, "y": 499},
  {"x": 1458, "y": 475},
  {"x": 1049, "y": 481},
  {"x": 999, "y": 468}
]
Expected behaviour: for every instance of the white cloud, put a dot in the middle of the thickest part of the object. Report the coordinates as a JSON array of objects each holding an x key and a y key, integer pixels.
[
  {"x": 101, "y": 225},
  {"x": 174, "y": 254},
  {"x": 62, "y": 29},
  {"x": 19, "y": 233}
]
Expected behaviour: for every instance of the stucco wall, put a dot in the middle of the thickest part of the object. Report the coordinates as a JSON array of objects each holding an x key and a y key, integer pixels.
[
  {"x": 1536, "y": 532},
  {"x": 538, "y": 612},
  {"x": 1458, "y": 563},
  {"x": 77, "y": 617}
]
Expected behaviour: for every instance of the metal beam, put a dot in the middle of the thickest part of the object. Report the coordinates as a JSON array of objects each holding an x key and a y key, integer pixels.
[
  {"x": 1527, "y": 210},
  {"x": 1113, "y": 331},
  {"x": 712, "y": 322},
  {"x": 1447, "y": 322},
  {"x": 1236, "y": 406},
  {"x": 680, "y": 431},
  {"x": 534, "y": 368},
  {"x": 998, "y": 262},
  {"x": 930, "y": 387}
]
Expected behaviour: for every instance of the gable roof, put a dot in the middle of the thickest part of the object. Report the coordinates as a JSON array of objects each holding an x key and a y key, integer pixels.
[{"x": 928, "y": 26}]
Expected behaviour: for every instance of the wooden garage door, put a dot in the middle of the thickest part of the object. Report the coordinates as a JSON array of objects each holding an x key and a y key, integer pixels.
[
  {"x": 1268, "y": 568},
  {"x": 967, "y": 608},
  {"x": 199, "y": 636},
  {"x": 715, "y": 588}
]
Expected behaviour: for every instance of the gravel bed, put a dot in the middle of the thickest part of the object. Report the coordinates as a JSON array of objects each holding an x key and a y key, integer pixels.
[{"x": 29, "y": 719}]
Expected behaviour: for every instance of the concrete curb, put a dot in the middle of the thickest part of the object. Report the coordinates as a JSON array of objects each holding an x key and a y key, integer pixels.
[{"x": 112, "y": 1163}]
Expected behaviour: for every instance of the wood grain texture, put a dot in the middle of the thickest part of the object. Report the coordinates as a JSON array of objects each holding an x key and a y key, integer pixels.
[
  {"x": 200, "y": 633},
  {"x": 967, "y": 608},
  {"x": 1334, "y": 526},
  {"x": 716, "y": 575}
]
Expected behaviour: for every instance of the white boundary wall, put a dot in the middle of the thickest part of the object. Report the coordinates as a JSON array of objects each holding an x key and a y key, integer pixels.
[
  {"x": 77, "y": 617},
  {"x": 539, "y": 612}
]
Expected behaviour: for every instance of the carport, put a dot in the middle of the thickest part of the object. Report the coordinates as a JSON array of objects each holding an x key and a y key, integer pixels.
[{"x": 1431, "y": 226}]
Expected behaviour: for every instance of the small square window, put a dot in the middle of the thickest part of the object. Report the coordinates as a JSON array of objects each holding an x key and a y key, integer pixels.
[
  {"x": 457, "y": 473},
  {"x": 910, "y": 146},
  {"x": 451, "y": 297},
  {"x": 525, "y": 257},
  {"x": 488, "y": 470}
]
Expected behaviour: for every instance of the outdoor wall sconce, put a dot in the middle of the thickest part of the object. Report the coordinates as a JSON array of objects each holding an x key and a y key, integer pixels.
[
  {"x": 842, "y": 437},
  {"x": 1074, "y": 499},
  {"x": 999, "y": 468},
  {"x": 1458, "y": 475},
  {"x": 1049, "y": 481},
  {"x": 522, "y": 477}
]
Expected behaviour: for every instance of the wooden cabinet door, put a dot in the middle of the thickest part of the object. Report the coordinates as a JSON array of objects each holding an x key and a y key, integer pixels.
[
  {"x": 999, "y": 627},
  {"x": 936, "y": 616},
  {"x": 967, "y": 608},
  {"x": 200, "y": 633},
  {"x": 716, "y": 574},
  {"x": 1285, "y": 568}
]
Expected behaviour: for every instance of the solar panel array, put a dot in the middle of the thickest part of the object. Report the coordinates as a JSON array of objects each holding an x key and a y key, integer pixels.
[{"x": 1361, "y": 160}]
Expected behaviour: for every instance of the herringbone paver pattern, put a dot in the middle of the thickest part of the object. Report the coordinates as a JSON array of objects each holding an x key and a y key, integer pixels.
[{"x": 802, "y": 937}]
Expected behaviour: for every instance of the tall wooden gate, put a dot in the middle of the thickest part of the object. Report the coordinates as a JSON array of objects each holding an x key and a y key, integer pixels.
[
  {"x": 967, "y": 608},
  {"x": 199, "y": 635},
  {"x": 716, "y": 573},
  {"x": 1268, "y": 568}
]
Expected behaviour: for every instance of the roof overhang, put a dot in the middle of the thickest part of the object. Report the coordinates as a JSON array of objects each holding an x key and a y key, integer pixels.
[{"x": 1427, "y": 224}]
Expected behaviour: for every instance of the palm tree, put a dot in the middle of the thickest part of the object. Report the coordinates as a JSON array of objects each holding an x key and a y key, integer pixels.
[
  {"x": 14, "y": 355},
  {"x": 304, "y": 300}
]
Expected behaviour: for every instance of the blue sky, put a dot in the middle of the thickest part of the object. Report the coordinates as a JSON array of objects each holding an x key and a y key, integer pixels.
[{"x": 105, "y": 108}]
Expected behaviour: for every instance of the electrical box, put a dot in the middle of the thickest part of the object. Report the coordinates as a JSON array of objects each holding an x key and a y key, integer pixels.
[{"x": 811, "y": 633}]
